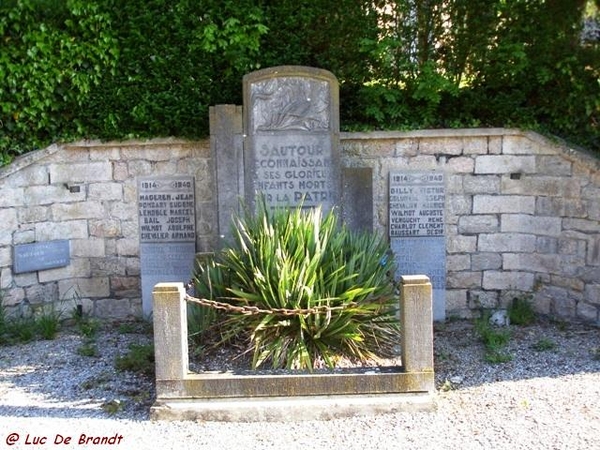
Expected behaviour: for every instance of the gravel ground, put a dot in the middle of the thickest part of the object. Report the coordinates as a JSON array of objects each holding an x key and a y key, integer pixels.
[{"x": 546, "y": 397}]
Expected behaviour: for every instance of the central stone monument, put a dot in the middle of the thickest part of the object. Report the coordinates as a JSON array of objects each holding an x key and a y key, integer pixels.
[{"x": 291, "y": 152}]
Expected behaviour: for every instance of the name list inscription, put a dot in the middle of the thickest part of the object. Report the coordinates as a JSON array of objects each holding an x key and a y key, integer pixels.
[
  {"x": 167, "y": 209},
  {"x": 294, "y": 169},
  {"x": 417, "y": 201}
]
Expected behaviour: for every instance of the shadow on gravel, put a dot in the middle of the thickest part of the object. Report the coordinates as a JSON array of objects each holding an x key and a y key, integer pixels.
[
  {"x": 544, "y": 349},
  {"x": 56, "y": 379},
  {"x": 53, "y": 378}
]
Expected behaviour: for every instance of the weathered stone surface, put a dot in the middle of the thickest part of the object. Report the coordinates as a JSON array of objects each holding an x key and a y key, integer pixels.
[
  {"x": 506, "y": 242},
  {"x": 79, "y": 210},
  {"x": 486, "y": 261},
  {"x": 80, "y": 172},
  {"x": 478, "y": 224},
  {"x": 492, "y": 204},
  {"x": 539, "y": 225},
  {"x": 79, "y": 268},
  {"x": 481, "y": 184},
  {"x": 503, "y": 164},
  {"x": 72, "y": 229},
  {"x": 554, "y": 165},
  {"x": 520, "y": 281},
  {"x": 459, "y": 262},
  {"x": 467, "y": 280},
  {"x": 532, "y": 262},
  {"x": 542, "y": 186},
  {"x": 106, "y": 191},
  {"x": 461, "y": 244}
]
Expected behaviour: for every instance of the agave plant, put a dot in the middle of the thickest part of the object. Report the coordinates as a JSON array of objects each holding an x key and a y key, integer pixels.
[{"x": 303, "y": 290}]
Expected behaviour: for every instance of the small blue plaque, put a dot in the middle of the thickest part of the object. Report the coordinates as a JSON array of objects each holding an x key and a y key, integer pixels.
[{"x": 41, "y": 256}]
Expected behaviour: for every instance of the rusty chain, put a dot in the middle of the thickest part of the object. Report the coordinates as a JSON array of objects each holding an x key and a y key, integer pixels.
[{"x": 252, "y": 310}]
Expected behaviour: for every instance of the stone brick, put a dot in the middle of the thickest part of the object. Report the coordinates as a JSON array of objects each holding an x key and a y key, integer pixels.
[
  {"x": 110, "y": 265},
  {"x": 79, "y": 210},
  {"x": 454, "y": 184},
  {"x": 33, "y": 214},
  {"x": 25, "y": 279},
  {"x": 506, "y": 242},
  {"x": 5, "y": 256},
  {"x": 539, "y": 225},
  {"x": 486, "y": 261},
  {"x": 79, "y": 268},
  {"x": 587, "y": 312},
  {"x": 105, "y": 228},
  {"x": 483, "y": 299},
  {"x": 456, "y": 301},
  {"x": 461, "y": 164},
  {"x": 81, "y": 172},
  {"x": 495, "y": 145},
  {"x": 558, "y": 206},
  {"x": 592, "y": 293},
  {"x": 459, "y": 204},
  {"x": 545, "y": 244},
  {"x": 481, "y": 184},
  {"x": 72, "y": 229},
  {"x": 478, "y": 224},
  {"x": 12, "y": 197},
  {"x": 521, "y": 281},
  {"x": 105, "y": 191},
  {"x": 114, "y": 308},
  {"x": 90, "y": 248},
  {"x": 458, "y": 262},
  {"x": 42, "y": 293},
  {"x": 503, "y": 164},
  {"x": 572, "y": 283},
  {"x": 532, "y": 262},
  {"x": 407, "y": 147},
  {"x": 523, "y": 145},
  {"x": 125, "y": 287},
  {"x": 124, "y": 211},
  {"x": 542, "y": 186},
  {"x": 13, "y": 296},
  {"x": 24, "y": 236},
  {"x": 554, "y": 165},
  {"x": 54, "y": 194},
  {"x": 492, "y": 204},
  {"x": 463, "y": 280},
  {"x": 436, "y": 146},
  {"x": 476, "y": 145},
  {"x": 461, "y": 244},
  {"x": 583, "y": 225},
  {"x": 593, "y": 251},
  {"x": 136, "y": 168},
  {"x": 84, "y": 287},
  {"x": 127, "y": 247}
]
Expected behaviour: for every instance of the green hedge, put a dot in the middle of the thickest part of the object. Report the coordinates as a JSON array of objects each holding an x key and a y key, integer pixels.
[{"x": 112, "y": 70}]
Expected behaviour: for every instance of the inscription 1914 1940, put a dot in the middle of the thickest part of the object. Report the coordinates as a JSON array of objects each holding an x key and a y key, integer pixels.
[
  {"x": 417, "y": 204},
  {"x": 167, "y": 230},
  {"x": 416, "y": 229}
]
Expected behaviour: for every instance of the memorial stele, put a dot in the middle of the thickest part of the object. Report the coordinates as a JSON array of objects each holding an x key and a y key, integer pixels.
[{"x": 291, "y": 152}]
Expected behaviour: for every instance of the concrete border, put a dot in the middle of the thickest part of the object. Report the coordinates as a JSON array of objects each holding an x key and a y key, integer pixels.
[{"x": 183, "y": 395}]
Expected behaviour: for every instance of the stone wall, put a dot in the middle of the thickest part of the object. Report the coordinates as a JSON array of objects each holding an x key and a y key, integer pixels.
[
  {"x": 100, "y": 221},
  {"x": 523, "y": 216}
]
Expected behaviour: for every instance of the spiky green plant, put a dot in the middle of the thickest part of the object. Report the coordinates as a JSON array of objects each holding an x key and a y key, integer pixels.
[{"x": 292, "y": 260}]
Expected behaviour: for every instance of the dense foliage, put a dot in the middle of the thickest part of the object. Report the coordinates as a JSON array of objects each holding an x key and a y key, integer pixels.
[
  {"x": 112, "y": 70},
  {"x": 323, "y": 292}
]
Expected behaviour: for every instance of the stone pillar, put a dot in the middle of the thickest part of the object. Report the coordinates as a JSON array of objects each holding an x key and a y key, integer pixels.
[
  {"x": 416, "y": 323},
  {"x": 170, "y": 332},
  {"x": 226, "y": 141}
]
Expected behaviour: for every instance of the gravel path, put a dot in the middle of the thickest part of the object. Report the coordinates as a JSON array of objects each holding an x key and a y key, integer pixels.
[{"x": 547, "y": 397}]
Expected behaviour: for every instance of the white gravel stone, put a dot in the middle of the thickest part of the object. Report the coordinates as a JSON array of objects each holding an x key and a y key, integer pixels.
[{"x": 539, "y": 400}]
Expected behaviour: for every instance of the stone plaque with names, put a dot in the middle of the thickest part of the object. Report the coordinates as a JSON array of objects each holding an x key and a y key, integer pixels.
[
  {"x": 291, "y": 120},
  {"x": 41, "y": 256},
  {"x": 417, "y": 229},
  {"x": 167, "y": 232}
]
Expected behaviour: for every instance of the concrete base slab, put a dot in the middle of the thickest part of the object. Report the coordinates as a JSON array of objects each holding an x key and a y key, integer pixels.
[{"x": 289, "y": 409}]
